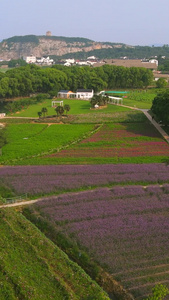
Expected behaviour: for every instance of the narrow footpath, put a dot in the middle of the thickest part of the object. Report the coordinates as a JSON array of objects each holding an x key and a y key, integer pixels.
[{"x": 156, "y": 125}]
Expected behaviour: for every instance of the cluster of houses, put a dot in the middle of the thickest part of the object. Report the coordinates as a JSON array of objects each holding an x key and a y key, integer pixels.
[
  {"x": 84, "y": 94},
  {"x": 44, "y": 60},
  {"x": 90, "y": 61}
]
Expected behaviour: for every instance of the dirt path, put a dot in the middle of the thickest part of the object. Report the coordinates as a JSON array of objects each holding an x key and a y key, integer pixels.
[
  {"x": 28, "y": 202},
  {"x": 157, "y": 126},
  {"x": 21, "y": 203}
]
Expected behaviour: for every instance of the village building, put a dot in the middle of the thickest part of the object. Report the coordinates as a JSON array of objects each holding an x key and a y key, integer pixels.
[
  {"x": 30, "y": 59},
  {"x": 66, "y": 94},
  {"x": 141, "y": 63},
  {"x": 84, "y": 94}
]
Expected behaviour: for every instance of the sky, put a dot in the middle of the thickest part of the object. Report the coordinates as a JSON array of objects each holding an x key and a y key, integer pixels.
[{"x": 133, "y": 22}]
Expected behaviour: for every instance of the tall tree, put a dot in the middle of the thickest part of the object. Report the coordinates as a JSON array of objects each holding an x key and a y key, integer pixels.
[
  {"x": 60, "y": 110},
  {"x": 44, "y": 111},
  {"x": 66, "y": 108},
  {"x": 160, "y": 106}
]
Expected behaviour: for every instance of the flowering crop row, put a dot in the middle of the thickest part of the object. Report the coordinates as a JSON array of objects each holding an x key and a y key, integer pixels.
[
  {"x": 119, "y": 140},
  {"x": 51, "y": 179},
  {"x": 125, "y": 228}
]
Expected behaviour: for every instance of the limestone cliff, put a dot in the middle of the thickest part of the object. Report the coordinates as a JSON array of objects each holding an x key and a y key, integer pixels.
[{"x": 17, "y": 47}]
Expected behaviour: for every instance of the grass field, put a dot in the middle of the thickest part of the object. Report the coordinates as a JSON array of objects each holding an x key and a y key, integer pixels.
[
  {"x": 32, "y": 267},
  {"x": 76, "y": 107},
  {"x": 27, "y": 140},
  {"x": 138, "y": 98}
]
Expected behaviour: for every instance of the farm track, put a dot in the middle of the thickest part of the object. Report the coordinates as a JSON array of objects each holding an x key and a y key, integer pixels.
[
  {"x": 155, "y": 124},
  {"x": 29, "y": 202}
]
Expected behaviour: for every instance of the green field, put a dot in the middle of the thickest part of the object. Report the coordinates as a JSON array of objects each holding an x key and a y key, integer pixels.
[
  {"x": 136, "y": 98},
  {"x": 27, "y": 140},
  {"x": 76, "y": 107}
]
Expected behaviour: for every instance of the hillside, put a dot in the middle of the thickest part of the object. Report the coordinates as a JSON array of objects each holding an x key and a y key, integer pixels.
[
  {"x": 79, "y": 48},
  {"x": 32, "y": 267},
  {"x": 16, "y": 47}
]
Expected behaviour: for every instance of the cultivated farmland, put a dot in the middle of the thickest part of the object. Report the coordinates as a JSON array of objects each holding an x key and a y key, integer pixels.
[
  {"x": 121, "y": 142},
  {"x": 41, "y": 180},
  {"x": 124, "y": 228},
  {"x": 105, "y": 182}
]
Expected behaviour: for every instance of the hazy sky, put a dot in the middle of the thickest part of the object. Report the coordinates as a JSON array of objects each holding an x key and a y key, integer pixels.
[{"x": 134, "y": 22}]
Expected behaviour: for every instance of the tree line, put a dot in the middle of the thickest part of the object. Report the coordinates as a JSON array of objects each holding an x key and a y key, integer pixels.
[{"x": 25, "y": 80}]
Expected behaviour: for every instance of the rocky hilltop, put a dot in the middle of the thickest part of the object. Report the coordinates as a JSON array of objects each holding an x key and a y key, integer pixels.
[{"x": 19, "y": 46}]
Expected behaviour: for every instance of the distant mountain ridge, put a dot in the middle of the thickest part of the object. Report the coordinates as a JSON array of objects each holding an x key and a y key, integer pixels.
[
  {"x": 77, "y": 47},
  {"x": 19, "y": 46}
]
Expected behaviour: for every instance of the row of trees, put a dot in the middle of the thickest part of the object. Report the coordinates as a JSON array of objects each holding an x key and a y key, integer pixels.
[
  {"x": 59, "y": 110},
  {"x": 23, "y": 81}
]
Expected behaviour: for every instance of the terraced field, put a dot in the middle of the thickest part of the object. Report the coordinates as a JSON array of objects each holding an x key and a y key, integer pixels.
[
  {"x": 124, "y": 228},
  {"x": 119, "y": 141}
]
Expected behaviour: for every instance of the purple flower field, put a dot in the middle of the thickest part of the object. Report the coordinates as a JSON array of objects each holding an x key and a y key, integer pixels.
[
  {"x": 42, "y": 180},
  {"x": 125, "y": 228}
]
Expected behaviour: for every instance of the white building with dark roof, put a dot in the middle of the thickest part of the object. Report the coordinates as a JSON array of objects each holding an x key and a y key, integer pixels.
[{"x": 84, "y": 94}]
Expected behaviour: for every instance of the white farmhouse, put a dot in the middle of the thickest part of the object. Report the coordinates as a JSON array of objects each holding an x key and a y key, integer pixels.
[
  {"x": 30, "y": 59},
  {"x": 153, "y": 61},
  {"x": 84, "y": 94}
]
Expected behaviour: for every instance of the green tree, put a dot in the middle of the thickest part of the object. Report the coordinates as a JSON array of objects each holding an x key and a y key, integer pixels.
[
  {"x": 39, "y": 114},
  {"x": 60, "y": 110},
  {"x": 160, "y": 107},
  {"x": 99, "y": 100},
  {"x": 66, "y": 108},
  {"x": 161, "y": 83},
  {"x": 44, "y": 111}
]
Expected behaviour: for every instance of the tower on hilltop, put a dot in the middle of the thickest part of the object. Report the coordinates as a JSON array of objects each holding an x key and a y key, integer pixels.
[{"x": 48, "y": 33}]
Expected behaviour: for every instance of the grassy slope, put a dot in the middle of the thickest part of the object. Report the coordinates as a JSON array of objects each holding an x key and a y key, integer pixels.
[{"x": 32, "y": 267}]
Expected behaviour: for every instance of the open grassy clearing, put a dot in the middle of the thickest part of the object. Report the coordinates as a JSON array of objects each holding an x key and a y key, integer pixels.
[
  {"x": 76, "y": 107},
  {"x": 138, "y": 98},
  {"x": 123, "y": 228},
  {"x": 32, "y": 267}
]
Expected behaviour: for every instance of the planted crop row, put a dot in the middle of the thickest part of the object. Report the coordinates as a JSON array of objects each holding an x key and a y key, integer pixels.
[
  {"x": 143, "y": 96},
  {"x": 124, "y": 228},
  {"x": 56, "y": 178},
  {"x": 26, "y": 140},
  {"x": 119, "y": 140}
]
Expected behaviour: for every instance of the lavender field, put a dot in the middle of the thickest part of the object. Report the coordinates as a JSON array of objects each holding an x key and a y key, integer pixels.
[
  {"x": 41, "y": 180},
  {"x": 124, "y": 228}
]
